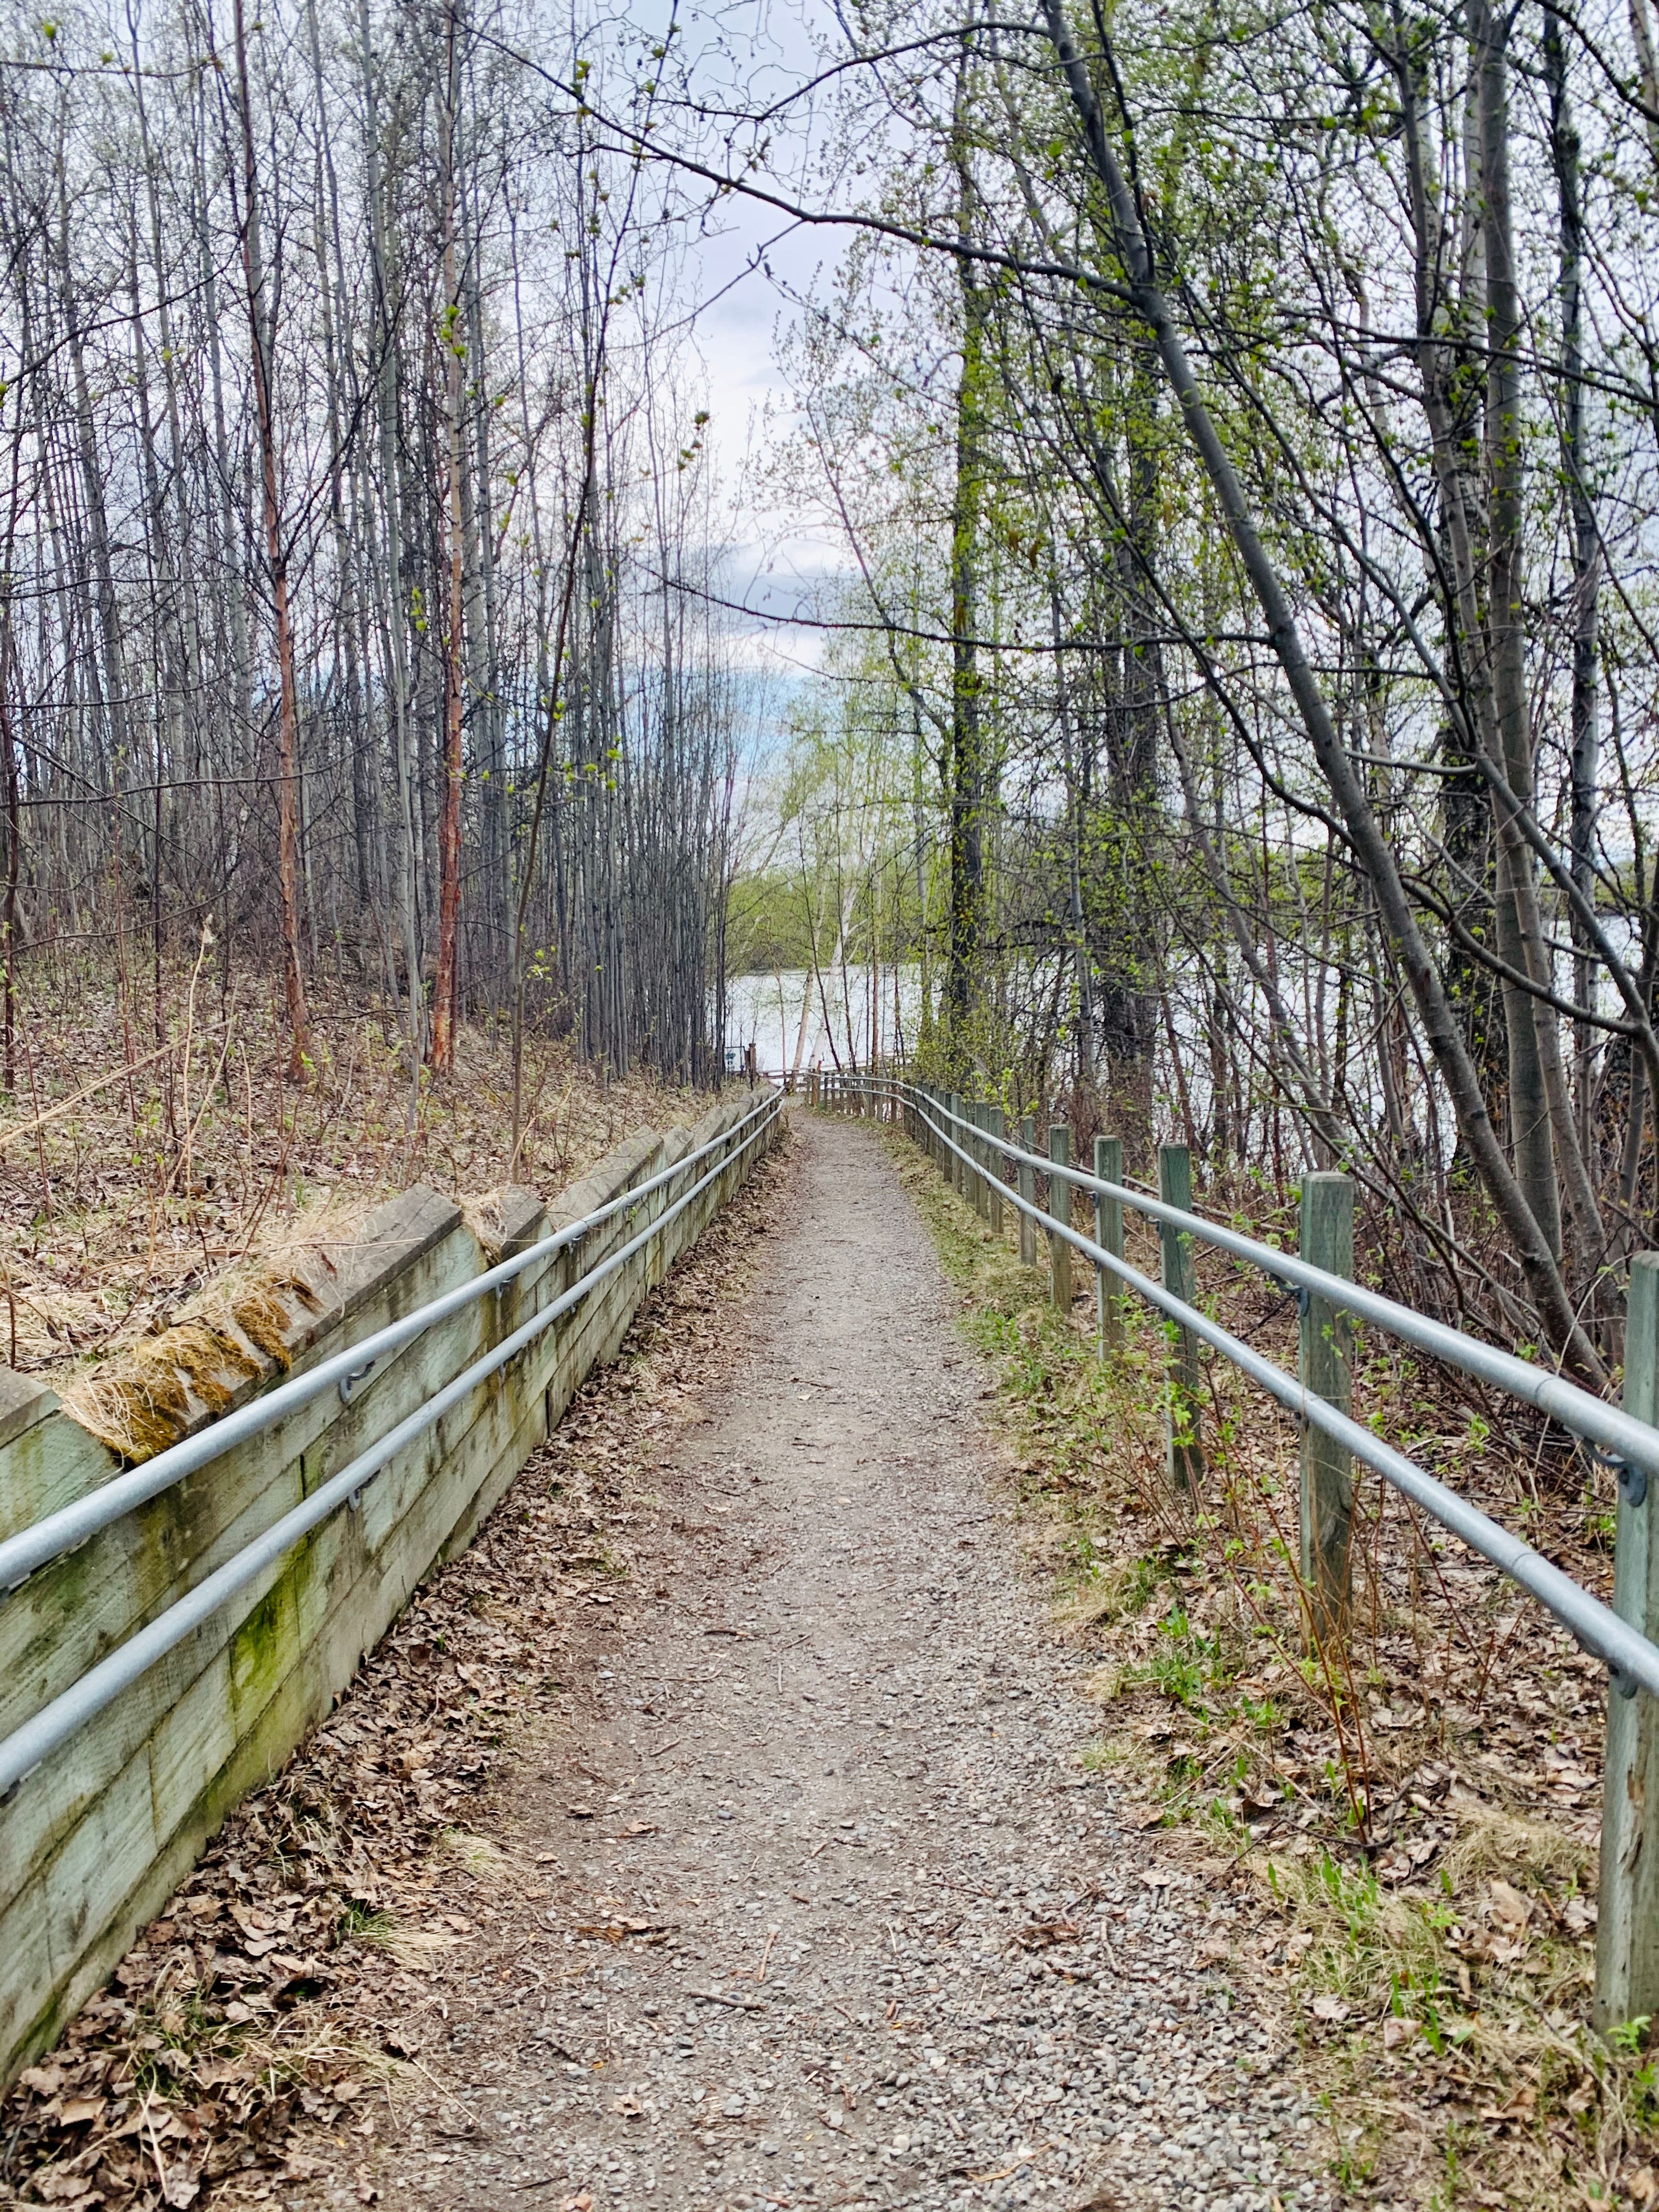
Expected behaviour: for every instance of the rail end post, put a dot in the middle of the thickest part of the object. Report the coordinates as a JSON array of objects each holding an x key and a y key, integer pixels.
[
  {"x": 1184, "y": 1454},
  {"x": 1108, "y": 1235},
  {"x": 1327, "y": 1371},
  {"x": 1060, "y": 1209},
  {"x": 993, "y": 1168},
  {"x": 1028, "y": 1192},
  {"x": 1627, "y": 1923}
]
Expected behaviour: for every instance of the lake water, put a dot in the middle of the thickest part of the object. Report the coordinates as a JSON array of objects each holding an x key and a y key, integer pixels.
[{"x": 768, "y": 1012}]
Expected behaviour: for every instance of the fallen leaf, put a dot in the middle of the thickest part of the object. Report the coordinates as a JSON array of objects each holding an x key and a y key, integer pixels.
[
  {"x": 1330, "y": 2009},
  {"x": 1508, "y": 1908},
  {"x": 58, "y": 2185}
]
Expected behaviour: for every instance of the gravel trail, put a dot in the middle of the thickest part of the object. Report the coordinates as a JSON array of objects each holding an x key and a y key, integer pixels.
[{"x": 835, "y": 1915}]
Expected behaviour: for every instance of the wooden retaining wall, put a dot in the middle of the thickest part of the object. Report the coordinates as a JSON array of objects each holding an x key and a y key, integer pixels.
[{"x": 94, "y": 1841}]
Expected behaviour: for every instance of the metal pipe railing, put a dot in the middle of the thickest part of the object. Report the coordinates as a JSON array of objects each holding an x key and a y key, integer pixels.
[
  {"x": 1628, "y": 1442},
  {"x": 1631, "y": 1658},
  {"x": 22, "y": 1751},
  {"x": 71, "y": 1525}
]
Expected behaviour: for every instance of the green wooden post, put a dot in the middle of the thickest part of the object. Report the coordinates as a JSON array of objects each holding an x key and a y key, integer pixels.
[
  {"x": 975, "y": 1180},
  {"x": 1028, "y": 1192},
  {"x": 1627, "y": 1925},
  {"x": 1326, "y": 1369},
  {"x": 1108, "y": 1235},
  {"x": 959, "y": 1166},
  {"x": 1060, "y": 1209},
  {"x": 994, "y": 1164},
  {"x": 1185, "y": 1451}
]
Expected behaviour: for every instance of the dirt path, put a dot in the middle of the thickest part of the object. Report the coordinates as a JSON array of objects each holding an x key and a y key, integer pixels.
[{"x": 810, "y": 1902}]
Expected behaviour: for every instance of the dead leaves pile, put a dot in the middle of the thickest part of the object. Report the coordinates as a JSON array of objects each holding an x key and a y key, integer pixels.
[{"x": 265, "y": 2017}]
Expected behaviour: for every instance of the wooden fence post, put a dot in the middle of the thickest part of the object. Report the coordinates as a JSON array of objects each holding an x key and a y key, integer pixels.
[
  {"x": 1326, "y": 1366},
  {"x": 1185, "y": 1453},
  {"x": 1627, "y": 1925},
  {"x": 1108, "y": 1235},
  {"x": 1060, "y": 1209},
  {"x": 958, "y": 1167},
  {"x": 1028, "y": 1192},
  {"x": 994, "y": 1161}
]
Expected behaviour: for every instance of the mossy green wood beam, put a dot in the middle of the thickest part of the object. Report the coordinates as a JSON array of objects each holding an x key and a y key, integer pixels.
[
  {"x": 1628, "y": 1924},
  {"x": 1108, "y": 1235},
  {"x": 1327, "y": 1370},
  {"x": 1060, "y": 1209},
  {"x": 1028, "y": 1192},
  {"x": 1184, "y": 1454},
  {"x": 994, "y": 1164}
]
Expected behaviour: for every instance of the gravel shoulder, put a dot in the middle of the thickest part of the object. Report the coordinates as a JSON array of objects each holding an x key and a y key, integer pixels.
[{"x": 802, "y": 1895}]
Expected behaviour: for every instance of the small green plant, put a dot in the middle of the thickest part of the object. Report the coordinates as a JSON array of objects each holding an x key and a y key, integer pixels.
[{"x": 364, "y": 1923}]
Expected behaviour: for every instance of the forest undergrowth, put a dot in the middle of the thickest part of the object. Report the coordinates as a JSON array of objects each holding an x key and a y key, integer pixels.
[
  {"x": 1406, "y": 1837},
  {"x": 148, "y": 1142}
]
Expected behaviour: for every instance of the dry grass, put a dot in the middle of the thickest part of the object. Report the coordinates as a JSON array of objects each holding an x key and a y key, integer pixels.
[
  {"x": 1405, "y": 1834},
  {"x": 117, "y": 1206}
]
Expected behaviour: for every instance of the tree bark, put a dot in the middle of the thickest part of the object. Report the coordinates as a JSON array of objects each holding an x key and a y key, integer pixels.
[{"x": 262, "y": 337}]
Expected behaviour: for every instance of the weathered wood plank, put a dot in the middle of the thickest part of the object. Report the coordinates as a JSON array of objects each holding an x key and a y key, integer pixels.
[{"x": 96, "y": 1839}]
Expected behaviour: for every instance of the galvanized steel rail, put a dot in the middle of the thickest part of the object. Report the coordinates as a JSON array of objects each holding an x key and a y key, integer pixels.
[
  {"x": 1630, "y": 1442},
  {"x": 22, "y": 1751},
  {"x": 1631, "y": 1660}
]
